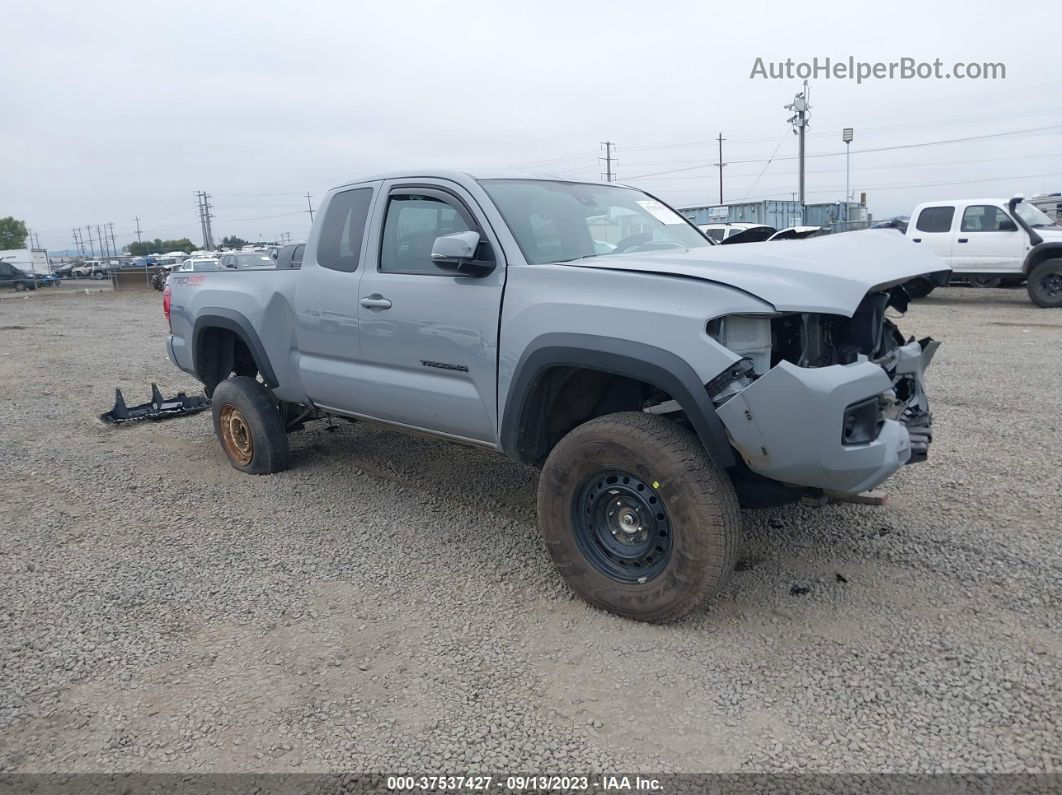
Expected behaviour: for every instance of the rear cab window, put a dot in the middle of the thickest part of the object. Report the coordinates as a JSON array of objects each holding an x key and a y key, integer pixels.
[
  {"x": 343, "y": 230},
  {"x": 935, "y": 219}
]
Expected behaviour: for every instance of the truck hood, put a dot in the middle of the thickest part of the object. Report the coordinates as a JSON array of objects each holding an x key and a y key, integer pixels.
[
  {"x": 829, "y": 274},
  {"x": 1052, "y": 233}
]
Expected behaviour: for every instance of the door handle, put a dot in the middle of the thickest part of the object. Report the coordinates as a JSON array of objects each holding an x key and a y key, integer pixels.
[
  {"x": 916, "y": 239},
  {"x": 963, "y": 240},
  {"x": 375, "y": 301}
]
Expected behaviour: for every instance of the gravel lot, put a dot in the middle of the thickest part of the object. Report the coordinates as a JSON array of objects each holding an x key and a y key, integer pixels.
[{"x": 388, "y": 605}]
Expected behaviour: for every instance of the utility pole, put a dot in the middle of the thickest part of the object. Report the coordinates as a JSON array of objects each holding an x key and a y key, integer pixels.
[
  {"x": 208, "y": 216},
  {"x": 138, "y": 240},
  {"x": 77, "y": 244},
  {"x": 105, "y": 250},
  {"x": 92, "y": 248},
  {"x": 199, "y": 209},
  {"x": 205, "y": 215},
  {"x": 800, "y": 107},
  {"x": 720, "y": 164},
  {"x": 610, "y": 174},
  {"x": 110, "y": 226},
  {"x": 846, "y": 136},
  {"x": 309, "y": 207}
]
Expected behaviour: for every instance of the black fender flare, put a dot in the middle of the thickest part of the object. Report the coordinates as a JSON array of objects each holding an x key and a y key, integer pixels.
[
  {"x": 1039, "y": 253},
  {"x": 661, "y": 368},
  {"x": 230, "y": 319}
]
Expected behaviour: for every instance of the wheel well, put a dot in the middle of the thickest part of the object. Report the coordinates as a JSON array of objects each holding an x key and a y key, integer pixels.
[
  {"x": 563, "y": 398},
  {"x": 220, "y": 352},
  {"x": 1038, "y": 256}
]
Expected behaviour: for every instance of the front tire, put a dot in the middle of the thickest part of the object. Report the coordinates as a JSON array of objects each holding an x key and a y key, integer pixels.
[
  {"x": 637, "y": 518},
  {"x": 1045, "y": 284},
  {"x": 20, "y": 287},
  {"x": 249, "y": 426}
]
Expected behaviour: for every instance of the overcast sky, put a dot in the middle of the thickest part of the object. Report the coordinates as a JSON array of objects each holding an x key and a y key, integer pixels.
[{"x": 121, "y": 109}]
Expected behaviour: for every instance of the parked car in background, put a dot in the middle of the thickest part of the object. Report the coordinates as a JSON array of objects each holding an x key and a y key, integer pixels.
[
  {"x": 796, "y": 233},
  {"x": 899, "y": 223},
  {"x": 290, "y": 257},
  {"x": 245, "y": 261},
  {"x": 46, "y": 279},
  {"x": 199, "y": 264},
  {"x": 16, "y": 278},
  {"x": 717, "y": 233},
  {"x": 989, "y": 242}
]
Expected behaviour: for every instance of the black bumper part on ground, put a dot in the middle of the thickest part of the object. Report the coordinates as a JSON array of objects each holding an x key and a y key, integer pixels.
[{"x": 159, "y": 408}]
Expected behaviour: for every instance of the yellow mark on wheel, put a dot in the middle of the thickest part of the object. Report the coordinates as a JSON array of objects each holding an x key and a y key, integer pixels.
[{"x": 656, "y": 484}]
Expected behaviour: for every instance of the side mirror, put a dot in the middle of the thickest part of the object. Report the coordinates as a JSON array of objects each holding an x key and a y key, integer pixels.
[
  {"x": 1007, "y": 225},
  {"x": 457, "y": 253}
]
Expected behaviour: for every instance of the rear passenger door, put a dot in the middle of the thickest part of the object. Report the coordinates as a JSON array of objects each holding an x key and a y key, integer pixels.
[
  {"x": 429, "y": 337},
  {"x": 932, "y": 228}
]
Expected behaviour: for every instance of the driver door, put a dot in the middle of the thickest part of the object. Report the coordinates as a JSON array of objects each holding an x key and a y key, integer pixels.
[{"x": 429, "y": 338}]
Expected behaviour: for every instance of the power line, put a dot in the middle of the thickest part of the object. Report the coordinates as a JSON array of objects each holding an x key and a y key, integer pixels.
[
  {"x": 886, "y": 128},
  {"x": 1029, "y": 131},
  {"x": 552, "y": 160}
]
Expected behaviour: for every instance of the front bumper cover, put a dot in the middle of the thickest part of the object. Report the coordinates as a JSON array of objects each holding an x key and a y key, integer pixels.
[{"x": 787, "y": 425}]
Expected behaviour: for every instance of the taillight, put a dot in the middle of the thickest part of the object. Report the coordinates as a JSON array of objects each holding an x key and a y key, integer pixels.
[{"x": 166, "y": 303}]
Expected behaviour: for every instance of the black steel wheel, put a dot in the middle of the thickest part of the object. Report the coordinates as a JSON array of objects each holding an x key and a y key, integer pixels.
[
  {"x": 622, "y": 527},
  {"x": 637, "y": 518}
]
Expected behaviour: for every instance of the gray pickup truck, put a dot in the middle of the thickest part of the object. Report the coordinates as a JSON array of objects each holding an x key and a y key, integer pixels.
[{"x": 658, "y": 380}]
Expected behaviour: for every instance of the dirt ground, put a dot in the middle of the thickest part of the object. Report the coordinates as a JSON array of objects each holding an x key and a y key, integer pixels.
[{"x": 388, "y": 604}]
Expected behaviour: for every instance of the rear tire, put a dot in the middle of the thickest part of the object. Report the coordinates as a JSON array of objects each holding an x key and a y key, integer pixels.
[
  {"x": 985, "y": 281},
  {"x": 249, "y": 426},
  {"x": 1045, "y": 284},
  {"x": 20, "y": 287},
  {"x": 637, "y": 518}
]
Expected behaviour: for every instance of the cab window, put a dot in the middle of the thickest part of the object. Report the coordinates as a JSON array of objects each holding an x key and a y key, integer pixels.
[
  {"x": 935, "y": 219},
  {"x": 412, "y": 223},
  {"x": 985, "y": 218}
]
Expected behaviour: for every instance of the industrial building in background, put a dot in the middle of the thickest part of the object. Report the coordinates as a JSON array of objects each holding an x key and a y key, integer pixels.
[{"x": 831, "y": 216}]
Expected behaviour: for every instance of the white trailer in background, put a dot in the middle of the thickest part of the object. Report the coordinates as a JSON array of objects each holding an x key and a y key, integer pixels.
[{"x": 28, "y": 260}]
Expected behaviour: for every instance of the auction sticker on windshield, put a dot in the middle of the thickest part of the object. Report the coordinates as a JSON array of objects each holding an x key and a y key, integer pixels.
[{"x": 661, "y": 212}]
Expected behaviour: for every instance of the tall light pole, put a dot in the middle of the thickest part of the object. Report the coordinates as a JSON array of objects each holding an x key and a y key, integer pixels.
[
  {"x": 846, "y": 136},
  {"x": 800, "y": 106}
]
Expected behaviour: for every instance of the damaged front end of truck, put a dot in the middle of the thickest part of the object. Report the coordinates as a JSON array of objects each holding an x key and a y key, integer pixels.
[{"x": 827, "y": 403}]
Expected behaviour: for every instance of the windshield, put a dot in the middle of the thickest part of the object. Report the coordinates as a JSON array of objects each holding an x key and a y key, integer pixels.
[
  {"x": 1033, "y": 216},
  {"x": 564, "y": 221},
  {"x": 254, "y": 261}
]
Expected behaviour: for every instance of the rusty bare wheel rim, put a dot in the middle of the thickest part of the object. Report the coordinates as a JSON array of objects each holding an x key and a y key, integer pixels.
[{"x": 236, "y": 435}]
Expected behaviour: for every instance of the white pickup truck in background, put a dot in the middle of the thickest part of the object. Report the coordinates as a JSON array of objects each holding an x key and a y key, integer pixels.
[{"x": 991, "y": 242}]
